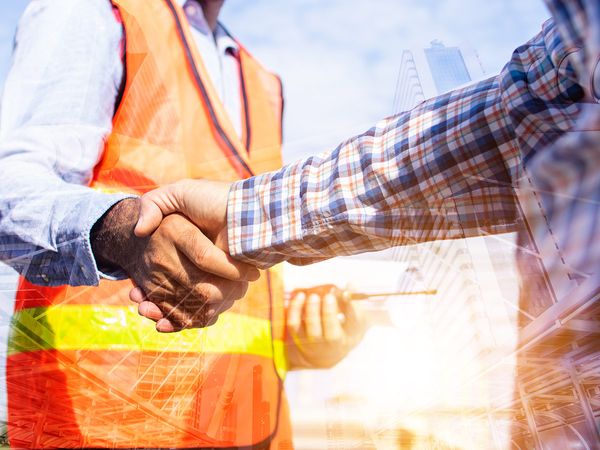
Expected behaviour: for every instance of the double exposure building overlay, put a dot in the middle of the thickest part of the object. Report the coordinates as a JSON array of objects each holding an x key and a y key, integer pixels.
[{"x": 540, "y": 355}]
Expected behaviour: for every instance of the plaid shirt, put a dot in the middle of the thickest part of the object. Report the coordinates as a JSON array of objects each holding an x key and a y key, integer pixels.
[{"x": 448, "y": 168}]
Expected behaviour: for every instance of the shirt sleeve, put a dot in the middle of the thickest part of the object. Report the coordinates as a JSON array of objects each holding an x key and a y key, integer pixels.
[
  {"x": 443, "y": 170},
  {"x": 563, "y": 207},
  {"x": 57, "y": 110}
]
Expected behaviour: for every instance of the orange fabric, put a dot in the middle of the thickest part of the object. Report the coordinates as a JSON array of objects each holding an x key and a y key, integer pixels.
[
  {"x": 169, "y": 125},
  {"x": 91, "y": 407}
]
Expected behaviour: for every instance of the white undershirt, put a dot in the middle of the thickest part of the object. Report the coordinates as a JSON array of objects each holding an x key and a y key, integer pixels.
[{"x": 219, "y": 55}]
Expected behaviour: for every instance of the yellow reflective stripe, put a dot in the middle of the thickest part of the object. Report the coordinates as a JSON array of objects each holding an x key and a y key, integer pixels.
[
  {"x": 280, "y": 358},
  {"x": 107, "y": 189},
  {"x": 100, "y": 327}
]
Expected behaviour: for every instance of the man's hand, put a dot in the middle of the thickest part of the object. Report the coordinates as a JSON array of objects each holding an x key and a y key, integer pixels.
[
  {"x": 183, "y": 279},
  {"x": 203, "y": 202},
  {"x": 323, "y": 326}
]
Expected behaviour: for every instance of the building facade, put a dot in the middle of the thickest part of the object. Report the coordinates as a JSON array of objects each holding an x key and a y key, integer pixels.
[{"x": 538, "y": 354}]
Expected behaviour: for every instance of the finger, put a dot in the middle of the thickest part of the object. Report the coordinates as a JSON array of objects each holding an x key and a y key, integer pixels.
[
  {"x": 294, "y": 313},
  {"x": 136, "y": 295},
  {"x": 207, "y": 257},
  {"x": 190, "y": 295},
  {"x": 208, "y": 315},
  {"x": 155, "y": 205},
  {"x": 215, "y": 291},
  {"x": 332, "y": 328},
  {"x": 312, "y": 317},
  {"x": 150, "y": 311},
  {"x": 212, "y": 315},
  {"x": 178, "y": 316},
  {"x": 192, "y": 311},
  {"x": 221, "y": 307},
  {"x": 354, "y": 324},
  {"x": 166, "y": 326},
  {"x": 212, "y": 321}
]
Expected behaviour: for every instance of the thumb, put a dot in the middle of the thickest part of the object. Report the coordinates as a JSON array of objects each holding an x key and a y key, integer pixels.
[
  {"x": 154, "y": 206},
  {"x": 149, "y": 219}
]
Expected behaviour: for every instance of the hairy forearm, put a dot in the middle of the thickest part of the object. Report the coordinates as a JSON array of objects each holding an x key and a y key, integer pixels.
[{"x": 113, "y": 243}]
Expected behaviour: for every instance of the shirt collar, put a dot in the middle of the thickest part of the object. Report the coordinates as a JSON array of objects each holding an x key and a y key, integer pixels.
[{"x": 224, "y": 41}]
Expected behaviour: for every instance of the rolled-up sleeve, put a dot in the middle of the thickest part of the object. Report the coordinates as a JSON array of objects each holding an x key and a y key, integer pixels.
[
  {"x": 447, "y": 169},
  {"x": 57, "y": 110},
  {"x": 443, "y": 170}
]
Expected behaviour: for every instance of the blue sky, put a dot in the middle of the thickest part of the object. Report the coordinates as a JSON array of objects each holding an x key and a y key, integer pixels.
[
  {"x": 10, "y": 11},
  {"x": 339, "y": 59}
]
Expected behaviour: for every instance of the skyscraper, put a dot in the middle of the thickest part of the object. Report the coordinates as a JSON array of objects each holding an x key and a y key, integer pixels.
[
  {"x": 447, "y": 66},
  {"x": 428, "y": 72},
  {"x": 555, "y": 401}
]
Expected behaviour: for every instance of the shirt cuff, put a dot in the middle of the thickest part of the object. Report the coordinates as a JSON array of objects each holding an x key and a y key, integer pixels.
[
  {"x": 263, "y": 217},
  {"x": 74, "y": 263}
]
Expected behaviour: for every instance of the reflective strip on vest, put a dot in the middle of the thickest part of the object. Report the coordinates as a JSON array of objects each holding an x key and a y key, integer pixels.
[{"x": 118, "y": 328}]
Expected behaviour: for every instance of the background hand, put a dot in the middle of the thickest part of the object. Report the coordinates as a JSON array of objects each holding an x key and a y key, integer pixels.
[
  {"x": 183, "y": 279},
  {"x": 323, "y": 325}
]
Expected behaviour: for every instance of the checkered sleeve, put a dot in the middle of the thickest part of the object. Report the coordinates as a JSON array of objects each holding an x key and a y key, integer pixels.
[{"x": 442, "y": 170}]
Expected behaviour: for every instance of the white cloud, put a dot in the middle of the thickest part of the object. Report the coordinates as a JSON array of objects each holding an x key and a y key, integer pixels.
[{"x": 339, "y": 60}]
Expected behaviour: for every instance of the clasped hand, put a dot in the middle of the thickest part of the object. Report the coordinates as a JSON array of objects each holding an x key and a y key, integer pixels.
[
  {"x": 183, "y": 276},
  {"x": 322, "y": 324}
]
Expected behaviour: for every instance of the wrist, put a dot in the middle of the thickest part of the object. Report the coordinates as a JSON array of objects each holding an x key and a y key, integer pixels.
[{"x": 114, "y": 244}]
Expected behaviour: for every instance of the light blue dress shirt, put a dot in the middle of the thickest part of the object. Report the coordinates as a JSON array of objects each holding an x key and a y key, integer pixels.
[{"x": 56, "y": 112}]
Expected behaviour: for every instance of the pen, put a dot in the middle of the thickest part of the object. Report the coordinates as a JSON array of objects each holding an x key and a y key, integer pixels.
[{"x": 358, "y": 296}]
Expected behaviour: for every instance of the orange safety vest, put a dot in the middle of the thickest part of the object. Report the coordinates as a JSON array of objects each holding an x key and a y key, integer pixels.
[{"x": 84, "y": 370}]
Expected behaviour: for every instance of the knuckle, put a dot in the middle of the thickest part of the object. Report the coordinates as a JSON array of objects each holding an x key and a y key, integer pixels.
[
  {"x": 205, "y": 292},
  {"x": 170, "y": 220},
  {"x": 170, "y": 227},
  {"x": 163, "y": 231},
  {"x": 212, "y": 320},
  {"x": 232, "y": 290},
  {"x": 202, "y": 319},
  {"x": 155, "y": 278},
  {"x": 167, "y": 309},
  {"x": 186, "y": 322},
  {"x": 226, "y": 306}
]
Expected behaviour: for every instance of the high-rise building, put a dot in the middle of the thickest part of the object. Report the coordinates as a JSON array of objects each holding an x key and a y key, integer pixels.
[
  {"x": 447, "y": 66},
  {"x": 550, "y": 339},
  {"x": 428, "y": 72},
  {"x": 421, "y": 380},
  {"x": 409, "y": 89}
]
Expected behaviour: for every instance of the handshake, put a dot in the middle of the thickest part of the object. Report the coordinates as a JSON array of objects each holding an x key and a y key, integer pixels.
[
  {"x": 178, "y": 258},
  {"x": 172, "y": 242}
]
